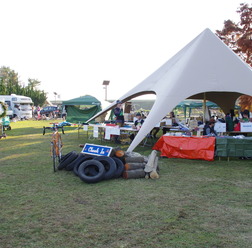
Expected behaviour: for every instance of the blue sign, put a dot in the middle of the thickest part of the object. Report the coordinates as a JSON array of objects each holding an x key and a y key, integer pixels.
[{"x": 97, "y": 150}]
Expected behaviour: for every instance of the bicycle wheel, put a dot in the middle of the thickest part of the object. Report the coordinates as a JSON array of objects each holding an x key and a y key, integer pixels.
[
  {"x": 56, "y": 149},
  {"x": 59, "y": 154},
  {"x": 54, "y": 157}
]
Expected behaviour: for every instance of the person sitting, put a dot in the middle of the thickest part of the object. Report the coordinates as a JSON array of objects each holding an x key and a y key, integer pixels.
[
  {"x": 245, "y": 116},
  {"x": 137, "y": 124},
  {"x": 139, "y": 121},
  {"x": 209, "y": 128},
  {"x": 174, "y": 122},
  {"x": 154, "y": 132}
]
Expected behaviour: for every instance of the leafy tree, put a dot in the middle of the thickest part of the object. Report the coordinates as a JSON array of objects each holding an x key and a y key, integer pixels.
[
  {"x": 9, "y": 81},
  {"x": 9, "y": 84},
  {"x": 33, "y": 83},
  {"x": 238, "y": 36},
  {"x": 245, "y": 102}
]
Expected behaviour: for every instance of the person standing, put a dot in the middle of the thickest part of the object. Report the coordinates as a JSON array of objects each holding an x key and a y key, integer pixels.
[
  {"x": 16, "y": 111},
  {"x": 118, "y": 114},
  {"x": 229, "y": 122},
  {"x": 118, "y": 117},
  {"x": 38, "y": 112},
  {"x": 64, "y": 113}
]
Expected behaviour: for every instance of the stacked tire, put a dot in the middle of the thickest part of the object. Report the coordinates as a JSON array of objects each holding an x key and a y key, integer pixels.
[{"x": 92, "y": 169}]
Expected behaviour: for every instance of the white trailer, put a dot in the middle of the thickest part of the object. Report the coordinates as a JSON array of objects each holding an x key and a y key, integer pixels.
[
  {"x": 9, "y": 112},
  {"x": 21, "y": 106}
]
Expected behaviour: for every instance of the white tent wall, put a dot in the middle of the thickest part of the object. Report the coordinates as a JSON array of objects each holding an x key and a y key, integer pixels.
[{"x": 205, "y": 65}]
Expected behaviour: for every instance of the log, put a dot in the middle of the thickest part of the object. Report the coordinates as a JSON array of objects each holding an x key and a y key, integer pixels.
[
  {"x": 134, "y": 159},
  {"x": 154, "y": 174},
  {"x": 119, "y": 153},
  {"x": 139, "y": 173},
  {"x": 134, "y": 166},
  {"x": 150, "y": 165}
]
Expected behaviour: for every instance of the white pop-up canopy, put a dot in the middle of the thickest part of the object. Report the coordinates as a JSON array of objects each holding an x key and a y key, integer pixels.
[{"x": 205, "y": 67}]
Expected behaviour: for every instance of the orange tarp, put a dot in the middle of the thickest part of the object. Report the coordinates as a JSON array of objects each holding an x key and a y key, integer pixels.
[{"x": 186, "y": 147}]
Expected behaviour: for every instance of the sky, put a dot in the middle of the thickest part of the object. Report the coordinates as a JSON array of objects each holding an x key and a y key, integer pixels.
[{"x": 73, "y": 46}]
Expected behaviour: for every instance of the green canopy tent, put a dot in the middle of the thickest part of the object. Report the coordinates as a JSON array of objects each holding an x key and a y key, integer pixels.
[
  {"x": 82, "y": 108},
  {"x": 191, "y": 104}
]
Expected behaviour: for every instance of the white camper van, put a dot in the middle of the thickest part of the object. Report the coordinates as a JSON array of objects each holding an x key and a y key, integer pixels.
[
  {"x": 9, "y": 112},
  {"x": 20, "y": 105}
]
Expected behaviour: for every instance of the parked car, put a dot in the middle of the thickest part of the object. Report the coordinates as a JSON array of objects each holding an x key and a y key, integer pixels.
[{"x": 50, "y": 110}]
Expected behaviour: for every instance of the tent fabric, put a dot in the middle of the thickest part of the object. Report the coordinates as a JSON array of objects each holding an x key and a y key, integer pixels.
[
  {"x": 204, "y": 69},
  {"x": 195, "y": 104},
  {"x": 83, "y": 100},
  {"x": 75, "y": 114}
]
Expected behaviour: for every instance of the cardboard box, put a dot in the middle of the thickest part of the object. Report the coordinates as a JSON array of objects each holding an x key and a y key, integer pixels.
[
  {"x": 246, "y": 127},
  {"x": 162, "y": 123},
  {"x": 193, "y": 124},
  {"x": 101, "y": 118},
  {"x": 128, "y": 117},
  {"x": 220, "y": 127},
  {"x": 168, "y": 122}
]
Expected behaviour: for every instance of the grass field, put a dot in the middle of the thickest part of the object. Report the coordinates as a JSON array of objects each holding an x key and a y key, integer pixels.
[{"x": 193, "y": 204}]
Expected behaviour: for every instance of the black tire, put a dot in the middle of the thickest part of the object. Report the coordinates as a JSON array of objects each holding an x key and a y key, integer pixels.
[
  {"x": 119, "y": 167},
  {"x": 64, "y": 157},
  {"x": 84, "y": 174},
  {"x": 77, "y": 164},
  {"x": 67, "y": 160},
  {"x": 78, "y": 160},
  {"x": 109, "y": 165},
  {"x": 70, "y": 166}
]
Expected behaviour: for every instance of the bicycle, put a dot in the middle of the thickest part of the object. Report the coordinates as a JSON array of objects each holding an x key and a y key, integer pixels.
[
  {"x": 56, "y": 148},
  {"x": 55, "y": 126}
]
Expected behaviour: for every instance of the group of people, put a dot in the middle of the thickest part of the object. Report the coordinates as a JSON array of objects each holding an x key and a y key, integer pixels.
[
  {"x": 231, "y": 123},
  {"x": 245, "y": 118},
  {"x": 119, "y": 120},
  {"x": 119, "y": 116}
]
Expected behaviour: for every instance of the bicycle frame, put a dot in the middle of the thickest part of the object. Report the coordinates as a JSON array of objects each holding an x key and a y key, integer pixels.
[{"x": 56, "y": 147}]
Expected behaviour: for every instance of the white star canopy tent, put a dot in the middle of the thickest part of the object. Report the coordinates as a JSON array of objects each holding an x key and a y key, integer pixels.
[{"x": 204, "y": 68}]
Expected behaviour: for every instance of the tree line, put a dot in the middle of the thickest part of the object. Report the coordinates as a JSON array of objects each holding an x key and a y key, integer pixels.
[{"x": 10, "y": 84}]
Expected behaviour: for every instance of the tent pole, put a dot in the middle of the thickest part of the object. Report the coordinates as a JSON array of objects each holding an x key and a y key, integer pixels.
[{"x": 204, "y": 108}]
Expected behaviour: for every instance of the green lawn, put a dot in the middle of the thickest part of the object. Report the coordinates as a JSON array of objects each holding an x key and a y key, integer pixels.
[{"x": 193, "y": 204}]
